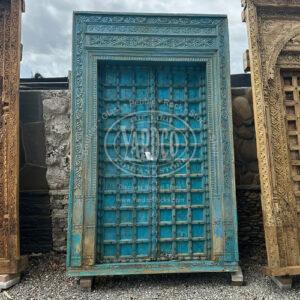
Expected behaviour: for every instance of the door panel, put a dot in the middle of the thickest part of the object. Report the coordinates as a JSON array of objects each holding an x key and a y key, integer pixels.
[
  {"x": 182, "y": 190},
  {"x": 153, "y": 198}
]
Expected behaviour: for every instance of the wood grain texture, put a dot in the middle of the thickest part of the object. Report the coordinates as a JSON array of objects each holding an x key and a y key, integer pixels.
[
  {"x": 273, "y": 28},
  {"x": 10, "y": 54}
]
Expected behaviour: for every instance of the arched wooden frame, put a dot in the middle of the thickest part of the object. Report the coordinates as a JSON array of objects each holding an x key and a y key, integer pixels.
[{"x": 272, "y": 27}]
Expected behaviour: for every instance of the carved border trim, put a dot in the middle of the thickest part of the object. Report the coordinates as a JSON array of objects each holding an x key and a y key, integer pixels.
[{"x": 10, "y": 54}]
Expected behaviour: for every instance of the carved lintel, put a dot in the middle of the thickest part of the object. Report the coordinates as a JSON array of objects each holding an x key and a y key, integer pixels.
[{"x": 274, "y": 47}]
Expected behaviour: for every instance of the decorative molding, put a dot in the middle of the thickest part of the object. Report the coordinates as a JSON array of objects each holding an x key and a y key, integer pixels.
[
  {"x": 273, "y": 28},
  {"x": 10, "y": 55},
  {"x": 122, "y": 41},
  {"x": 149, "y": 30},
  {"x": 274, "y": 3}
]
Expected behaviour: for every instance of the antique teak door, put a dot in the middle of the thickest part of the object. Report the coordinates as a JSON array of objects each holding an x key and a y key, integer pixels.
[{"x": 152, "y": 180}]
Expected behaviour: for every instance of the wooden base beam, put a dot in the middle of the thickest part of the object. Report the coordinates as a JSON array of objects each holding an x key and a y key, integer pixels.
[
  {"x": 13, "y": 266},
  {"x": 8, "y": 280},
  {"x": 237, "y": 278},
  {"x": 86, "y": 283},
  {"x": 282, "y": 271}
]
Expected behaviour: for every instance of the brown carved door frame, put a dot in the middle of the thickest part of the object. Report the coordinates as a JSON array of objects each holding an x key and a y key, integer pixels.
[{"x": 11, "y": 262}]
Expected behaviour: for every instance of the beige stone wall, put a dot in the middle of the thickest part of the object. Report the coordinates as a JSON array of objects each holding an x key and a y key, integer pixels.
[
  {"x": 251, "y": 233},
  {"x": 244, "y": 138}
]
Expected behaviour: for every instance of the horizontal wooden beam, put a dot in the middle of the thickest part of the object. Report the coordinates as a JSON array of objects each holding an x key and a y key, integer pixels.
[
  {"x": 13, "y": 266},
  {"x": 282, "y": 271}
]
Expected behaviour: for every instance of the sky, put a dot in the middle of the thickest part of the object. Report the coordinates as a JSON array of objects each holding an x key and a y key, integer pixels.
[{"x": 47, "y": 28}]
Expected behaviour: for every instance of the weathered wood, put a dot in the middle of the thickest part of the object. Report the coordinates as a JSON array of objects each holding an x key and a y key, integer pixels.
[
  {"x": 10, "y": 53},
  {"x": 100, "y": 42},
  {"x": 282, "y": 271},
  {"x": 86, "y": 283},
  {"x": 274, "y": 31},
  {"x": 7, "y": 281},
  {"x": 237, "y": 278}
]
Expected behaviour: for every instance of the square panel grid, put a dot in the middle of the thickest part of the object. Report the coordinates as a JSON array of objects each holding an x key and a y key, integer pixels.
[
  {"x": 291, "y": 89},
  {"x": 124, "y": 230},
  {"x": 183, "y": 219},
  {"x": 152, "y": 217}
]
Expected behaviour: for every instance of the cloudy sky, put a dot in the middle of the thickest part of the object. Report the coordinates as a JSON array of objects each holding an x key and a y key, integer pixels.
[{"x": 47, "y": 28}]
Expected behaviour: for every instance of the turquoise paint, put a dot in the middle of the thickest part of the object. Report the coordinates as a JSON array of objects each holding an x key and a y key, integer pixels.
[
  {"x": 158, "y": 220},
  {"x": 133, "y": 206},
  {"x": 154, "y": 268}
]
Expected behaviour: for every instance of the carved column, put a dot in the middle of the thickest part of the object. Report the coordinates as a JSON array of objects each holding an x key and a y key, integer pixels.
[{"x": 11, "y": 263}]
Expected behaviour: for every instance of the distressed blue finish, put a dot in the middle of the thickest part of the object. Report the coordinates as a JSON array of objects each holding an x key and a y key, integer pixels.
[
  {"x": 182, "y": 221},
  {"x": 176, "y": 204}
]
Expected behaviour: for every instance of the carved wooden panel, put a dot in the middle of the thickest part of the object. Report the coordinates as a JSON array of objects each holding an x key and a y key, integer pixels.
[
  {"x": 10, "y": 18},
  {"x": 274, "y": 48},
  {"x": 291, "y": 101}
]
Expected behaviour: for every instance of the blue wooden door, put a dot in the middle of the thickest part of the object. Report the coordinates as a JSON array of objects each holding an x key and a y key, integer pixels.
[{"x": 153, "y": 164}]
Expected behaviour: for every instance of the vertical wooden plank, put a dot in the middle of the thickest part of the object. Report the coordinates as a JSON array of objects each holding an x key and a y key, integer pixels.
[
  {"x": 3, "y": 244},
  {"x": 215, "y": 163},
  {"x": 91, "y": 151}
]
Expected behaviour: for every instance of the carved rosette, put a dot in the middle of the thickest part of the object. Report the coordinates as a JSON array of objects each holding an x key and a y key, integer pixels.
[
  {"x": 10, "y": 54},
  {"x": 273, "y": 31}
]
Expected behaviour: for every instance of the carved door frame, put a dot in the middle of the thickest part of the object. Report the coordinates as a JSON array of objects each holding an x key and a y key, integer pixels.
[
  {"x": 272, "y": 25},
  {"x": 10, "y": 54},
  {"x": 117, "y": 36}
]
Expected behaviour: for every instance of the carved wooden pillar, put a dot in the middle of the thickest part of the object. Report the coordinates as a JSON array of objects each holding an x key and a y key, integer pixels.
[{"x": 11, "y": 263}]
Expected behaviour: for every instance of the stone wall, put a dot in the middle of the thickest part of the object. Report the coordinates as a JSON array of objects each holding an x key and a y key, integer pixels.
[
  {"x": 251, "y": 233},
  {"x": 56, "y": 112},
  {"x": 56, "y": 118},
  {"x": 244, "y": 138}
]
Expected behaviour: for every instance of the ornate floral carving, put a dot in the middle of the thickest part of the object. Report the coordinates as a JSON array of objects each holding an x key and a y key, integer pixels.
[
  {"x": 120, "y": 41},
  {"x": 273, "y": 27},
  {"x": 10, "y": 15},
  {"x": 148, "y": 30}
]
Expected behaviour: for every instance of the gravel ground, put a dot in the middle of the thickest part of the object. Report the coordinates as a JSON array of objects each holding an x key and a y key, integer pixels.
[{"x": 46, "y": 279}]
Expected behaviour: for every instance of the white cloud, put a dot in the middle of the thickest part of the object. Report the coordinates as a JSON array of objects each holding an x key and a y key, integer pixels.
[{"x": 47, "y": 28}]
